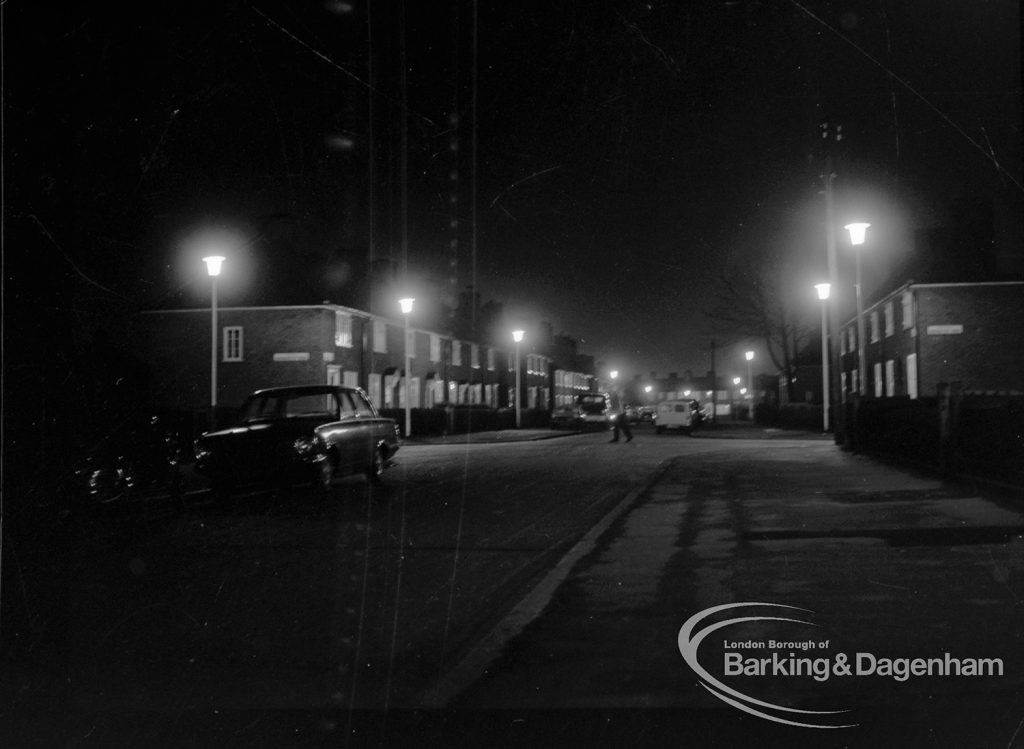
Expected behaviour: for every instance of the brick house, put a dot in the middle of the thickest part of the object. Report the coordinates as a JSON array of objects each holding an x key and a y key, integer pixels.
[
  {"x": 272, "y": 346},
  {"x": 922, "y": 334}
]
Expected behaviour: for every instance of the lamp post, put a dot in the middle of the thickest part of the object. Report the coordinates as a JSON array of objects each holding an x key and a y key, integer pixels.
[
  {"x": 823, "y": 293},
  {"x": 858, "y": 232},
  {"x": 517, "y": 336},
  {"x": 213, "y": 267},
  {"x": 749, "y": 355},
  {"x": 406, "y": 305}
]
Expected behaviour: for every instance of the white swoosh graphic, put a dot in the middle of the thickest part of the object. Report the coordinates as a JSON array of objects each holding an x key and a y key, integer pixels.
[{"x": 688, "y": 645}]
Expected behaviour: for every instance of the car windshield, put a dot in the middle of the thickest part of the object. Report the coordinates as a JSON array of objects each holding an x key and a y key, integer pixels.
[
  {"x": 288, "y": 405},
  {"x": 593, "y": 404}
]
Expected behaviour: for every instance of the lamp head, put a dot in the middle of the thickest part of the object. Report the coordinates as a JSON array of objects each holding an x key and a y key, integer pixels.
[
  {"x": 517, "y": 335},
  {"x": 213, "y": 264},
  {"x": 858, "y": 232},
  {"x": 823, "y": 290},
  {"x": 406, "y": 305},
  {"x": 749, "y": 355}
]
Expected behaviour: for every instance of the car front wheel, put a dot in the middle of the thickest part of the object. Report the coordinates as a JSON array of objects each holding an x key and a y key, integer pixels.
[{"x": 375, "y": 470}]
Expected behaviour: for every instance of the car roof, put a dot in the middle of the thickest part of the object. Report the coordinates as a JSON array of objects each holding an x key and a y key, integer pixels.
[{"x": 302, "y": 390}]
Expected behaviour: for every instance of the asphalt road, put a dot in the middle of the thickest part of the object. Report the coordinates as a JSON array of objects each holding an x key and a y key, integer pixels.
[
  {"x": 289, "y": 601},
  {"x": 516, "y": 594}
]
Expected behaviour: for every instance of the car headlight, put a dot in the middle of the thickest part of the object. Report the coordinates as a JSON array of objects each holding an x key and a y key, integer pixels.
[
  {"x": 200, "y": 450},
  {"x": 305, "y": 446}
]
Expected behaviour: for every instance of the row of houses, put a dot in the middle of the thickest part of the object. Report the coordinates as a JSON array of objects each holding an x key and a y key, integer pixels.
[
  {"x": 260, "y": 347},
  {"x": 921, "y": 335}
]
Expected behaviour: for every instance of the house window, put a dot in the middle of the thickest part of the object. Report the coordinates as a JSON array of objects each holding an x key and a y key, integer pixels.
[
  {"x": 380, "y": 337},
  {"x": 435, "y": 347},
  {"x": 343, "y": 329},
  {"x": 912, "y": 375},
  {"x": 842, "y": 387},
  {"x": 456, "y": 354},
  {"x": 852, "y": 338},
  {"x": 890, "y": 319},
  {"x": 890, "y": 378},
  {"x": 854, "y": 381},
  {"x": 879, "y": 382},
  {"x": 874, "y": 326},
  {"x": 375, "y": 389},
  {"x": 474, "y": 356},
  {"x": 490, "y": 359},
  {"x": 908, "y": 310},
  {"x": 232, "y": 345},
  {"x": 842, "y": 344}
]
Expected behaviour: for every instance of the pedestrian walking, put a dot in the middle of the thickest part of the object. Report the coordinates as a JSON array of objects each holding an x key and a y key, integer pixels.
[{"x": 621, "y": 422}]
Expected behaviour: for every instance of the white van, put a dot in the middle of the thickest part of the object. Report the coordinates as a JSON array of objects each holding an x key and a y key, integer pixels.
[{"x": 675, "y": 414}]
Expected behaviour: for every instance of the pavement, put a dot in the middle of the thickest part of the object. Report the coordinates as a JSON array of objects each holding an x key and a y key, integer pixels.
[
  {"x": 720, "y": 430},
  {"x": 877, "y": 559}
]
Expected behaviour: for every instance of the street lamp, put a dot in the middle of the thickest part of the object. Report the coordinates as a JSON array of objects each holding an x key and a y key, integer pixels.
[
  {"x": 823, "y": 290},
  {"x": 406, "y": 305},
  {"x": 750, "y": 379},
  {"x": 517, "y": 336},
  {"x": 213, "y": 267},
  {"x": 858, "y": 232}
]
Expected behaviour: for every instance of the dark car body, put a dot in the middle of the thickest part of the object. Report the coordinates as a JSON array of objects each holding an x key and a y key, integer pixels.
[
  {"x": 138, "y": 458},
  {"x": 595, "y": 410},
  {"x": 565, "y": 417},
  {"x": 300, "y": 433}
]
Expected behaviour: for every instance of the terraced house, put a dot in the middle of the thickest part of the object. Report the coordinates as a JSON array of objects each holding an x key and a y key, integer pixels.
[{"x": 260, "y": 347}]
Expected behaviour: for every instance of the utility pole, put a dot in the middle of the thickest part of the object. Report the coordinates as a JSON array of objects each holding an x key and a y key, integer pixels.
[
  {"x": 714, "y": 386},
  {"x": 839, "y": 413}
]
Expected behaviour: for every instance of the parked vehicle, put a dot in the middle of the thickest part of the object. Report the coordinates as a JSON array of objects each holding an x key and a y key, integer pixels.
[
  {"x": 308, "y": 433},
  {"x": 565, "y": 417},
  {"x": 632, "y": 414},
  {"x": 675, "y": 414},
  {"x": 138, "y": 458},
  {"x": 646, "y": 414},
  {"x": 595, "y": 410}
]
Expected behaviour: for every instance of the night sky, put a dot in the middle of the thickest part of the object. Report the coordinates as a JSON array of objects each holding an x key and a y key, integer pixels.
[{"x": 617, "y": 157}]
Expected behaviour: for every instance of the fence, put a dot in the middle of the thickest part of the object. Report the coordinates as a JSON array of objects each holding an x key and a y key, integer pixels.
[{"x": 963, "y": 434}]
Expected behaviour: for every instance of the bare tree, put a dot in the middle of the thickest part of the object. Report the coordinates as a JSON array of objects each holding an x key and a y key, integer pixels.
[{"x": 754, "y": 299}]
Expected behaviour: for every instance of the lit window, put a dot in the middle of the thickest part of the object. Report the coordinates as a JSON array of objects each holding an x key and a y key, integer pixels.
[
  {"x": 852, "y": 332},
  {"x": 890, "y": 378},
  {"x": 874, "y": 326},
  {"x": 890, "y": 319},
  {"x": 912, "y": 375},
  {"x": 490, "y": 359},
  {"x": 474, "y": 356},
  {"x": 908, "y": 310},
  {"x": 456, "y": 354},
  {"x": 435, "y": 347},
  {"x": 232, "y": 343},
  {"x": 343, "y": 329},
  {"x": 879, "y": 382},
  {"x": 380, "y": 337}
]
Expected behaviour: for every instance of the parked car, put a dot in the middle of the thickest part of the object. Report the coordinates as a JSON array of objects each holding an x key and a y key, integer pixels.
[
  {"x": 138, "y": 458},
  {"x": 565, "y": 417},
  {"x": 675, "y": 414},
  {"x": 646, "y": 414},
  {"x": 632, "y": 414},
  {"x": 308, "y": 433},
  {"x": 595, "y": 410}
]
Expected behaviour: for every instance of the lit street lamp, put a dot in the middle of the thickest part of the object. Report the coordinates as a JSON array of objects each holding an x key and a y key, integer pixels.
[
  {"x": 823, "y": 293},
  {"x": 750, "y": 379},
  {"x": 517, "y": 336},
  {"x": 857, "y": 235},
  {"x": 213, "y": 267},
  {"x": 406, "y": 305}
]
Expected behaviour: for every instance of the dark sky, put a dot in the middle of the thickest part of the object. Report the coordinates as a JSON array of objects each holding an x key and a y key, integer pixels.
[{"x": 624, "y": 152}]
